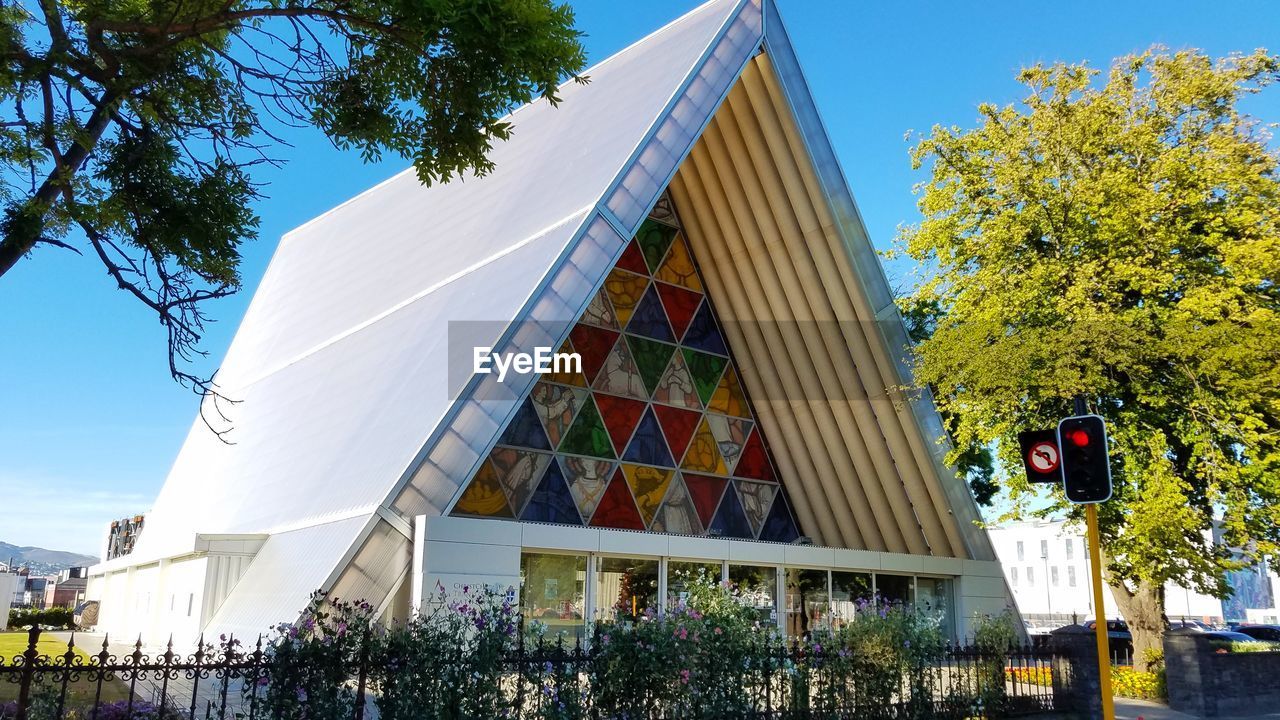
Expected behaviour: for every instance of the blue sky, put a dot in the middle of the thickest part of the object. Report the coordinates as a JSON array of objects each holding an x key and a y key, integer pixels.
[{"x": 90, "y": 421}]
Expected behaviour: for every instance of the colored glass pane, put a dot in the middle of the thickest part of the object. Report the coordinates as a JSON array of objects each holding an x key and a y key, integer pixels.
[
  {"x": 625, "y": 290},
  {"x": 620, "y": 416},
  {"x": 678, "y": 268},
  {"x": 525, "y": 429},
  {"x": 648, "y": 445},
  {"x": 654, "y": 239},
  {"x": 518, "y": 471},
  {"x": 680, "y": 305},
  {"x": 703, "y": 455},
  {"x": 567, "y": 377},
  {"x": 705, "y": 370},
  {"x": 678, "y": 425},
  {"x": 587, "y": 435},
  {"x": 676, "y": 385},
  {"x": 650, "y": 318},
  {"x": 664, "y": 211},
  {"x": 552, "y": 502},
  {"x": 484, "y": 496},
  {"x": 587, "y": 479},
  {"x": 617, "y": 509},
  {"x": 730, "y": 520},
  {"x": 651, "y": 359},
  {"x": 706, "y": 493},
  {"x": 677, "y": 513},
  {"x": 599, "y": 312},
  {"x": 757, "y": 499},
  {"x": 780, "y": 526},
  {"x": 632, "y": 259},
  {"x": 620, "y": 375},
  {"x": 728, "y": 397},
  {"x": 557, "y": 406},
  {"x": 703, "y": 333},
  {"x": 730, "y": 434},
  {"x": 754, "y": 461},
  {"x": 648, "y": 486},
  {"x": 593, "y": 345}
]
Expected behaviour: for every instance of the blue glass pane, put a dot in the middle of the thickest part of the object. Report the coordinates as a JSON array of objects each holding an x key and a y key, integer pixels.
[
  {"x": 650, "y": 319},
  {"x": 647, "y": 445},
  {"x": 525, "y": 430},
  {"x": 780, "y": 526},
  {"x": 703, "y": 333},
  {"x": 551, "y": 502},
  {"x": 730, "y": 520}
]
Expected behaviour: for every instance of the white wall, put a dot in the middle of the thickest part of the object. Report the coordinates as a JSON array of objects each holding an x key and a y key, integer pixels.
[
  {"x": 1030, "y": 576},
  {"x": 170, "y": 598}
]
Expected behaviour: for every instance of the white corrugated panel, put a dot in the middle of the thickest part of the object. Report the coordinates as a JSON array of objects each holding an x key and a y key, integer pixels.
[
  {"x": 280, "y": 580},
  {"x": 330, "y": 435}
]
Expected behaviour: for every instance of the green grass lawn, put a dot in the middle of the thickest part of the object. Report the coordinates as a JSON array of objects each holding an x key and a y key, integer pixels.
[
  {"x": 81, "y": 691},
  {"x": 15, "y": 643}
]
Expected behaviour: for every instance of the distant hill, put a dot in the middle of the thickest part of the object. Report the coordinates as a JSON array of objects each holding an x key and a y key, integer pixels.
[{"x": 40, "y": 560}]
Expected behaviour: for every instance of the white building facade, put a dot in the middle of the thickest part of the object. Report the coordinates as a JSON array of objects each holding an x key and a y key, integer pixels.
[{"x": 1046, "y": 565}]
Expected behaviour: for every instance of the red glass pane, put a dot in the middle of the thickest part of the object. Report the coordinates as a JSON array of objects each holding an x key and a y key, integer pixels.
[{"x": 617, "y": 509}]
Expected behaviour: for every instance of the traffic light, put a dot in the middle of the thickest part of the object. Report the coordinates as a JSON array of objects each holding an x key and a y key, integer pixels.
[{"x": 1086, "y": 470}]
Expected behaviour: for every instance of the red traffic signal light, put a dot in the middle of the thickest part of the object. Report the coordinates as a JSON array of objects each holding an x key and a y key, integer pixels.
[
  {"x": 1086, "y": 468},
  {"x": 1079, "y": 438}
]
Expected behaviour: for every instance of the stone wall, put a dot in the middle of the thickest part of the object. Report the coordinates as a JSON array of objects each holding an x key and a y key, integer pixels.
[{"x": 1210, "y": 684}]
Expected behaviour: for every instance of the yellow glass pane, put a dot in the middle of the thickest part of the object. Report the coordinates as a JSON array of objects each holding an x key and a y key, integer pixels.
[
  {"x": 625, "y": 290},
  {"x": 728, "y": 398},
  {"x": 484, "y": 496},
  {"x": 649, "y": 486},
  {"x": 703, "y": 454},
  {"x": 678, "y": 268}
]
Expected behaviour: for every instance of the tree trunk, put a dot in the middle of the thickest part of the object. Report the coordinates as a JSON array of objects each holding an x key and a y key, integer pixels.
[{"x": 1142, "y": 606}]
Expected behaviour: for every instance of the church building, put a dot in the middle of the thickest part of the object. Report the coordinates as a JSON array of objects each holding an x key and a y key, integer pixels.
[{"x": 734, "y": 406}]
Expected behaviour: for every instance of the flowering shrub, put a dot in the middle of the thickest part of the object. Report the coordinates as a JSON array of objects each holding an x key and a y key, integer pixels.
[
  {"x": 1041, "y": 675},
  {"x": 449, "y": 661},
  {"x": 1130, "y": 683},
  {"x": 308, "y": 662},
  {"x": 694, "y": 656}
]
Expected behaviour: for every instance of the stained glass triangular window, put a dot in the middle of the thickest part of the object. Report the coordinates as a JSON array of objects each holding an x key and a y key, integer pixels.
[{"x": 656, "y": 432}]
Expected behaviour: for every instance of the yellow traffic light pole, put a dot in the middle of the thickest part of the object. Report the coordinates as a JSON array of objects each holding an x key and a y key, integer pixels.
[{"x": 1100, "y": 613}]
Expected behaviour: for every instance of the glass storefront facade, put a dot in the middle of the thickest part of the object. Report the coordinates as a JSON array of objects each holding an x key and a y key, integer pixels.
[
  {"x": 625, "y": 588},
  {"x": 553, "y": 591}
]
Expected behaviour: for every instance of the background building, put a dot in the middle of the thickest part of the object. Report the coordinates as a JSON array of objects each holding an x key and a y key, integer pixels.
[
  {"x": 681, "y": 223},
  {"x": 9, "y": 584},
  {"x": 1046, "y": 564}
]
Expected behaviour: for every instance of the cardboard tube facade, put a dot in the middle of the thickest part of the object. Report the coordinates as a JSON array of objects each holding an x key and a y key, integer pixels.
[{"x": 807, "y": 341}]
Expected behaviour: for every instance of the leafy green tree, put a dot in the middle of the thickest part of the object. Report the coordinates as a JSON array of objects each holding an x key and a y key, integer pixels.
[
  {"x": 132, "y": 127},
  {"x": 1117, "y": 238}
]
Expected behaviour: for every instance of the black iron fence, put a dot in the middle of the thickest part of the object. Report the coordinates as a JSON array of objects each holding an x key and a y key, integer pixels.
[{"x": 537, "y": 679}]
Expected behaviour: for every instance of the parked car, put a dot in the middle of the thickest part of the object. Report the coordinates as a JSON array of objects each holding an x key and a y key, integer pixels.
[
  {"x": 1192, "y": 625},
  {"x": 1119, "y": 639},
  {"x": 1269, "y": 633}
]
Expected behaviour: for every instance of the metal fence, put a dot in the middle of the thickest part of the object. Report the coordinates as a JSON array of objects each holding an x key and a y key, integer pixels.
[{"x": 780, "y": 681}]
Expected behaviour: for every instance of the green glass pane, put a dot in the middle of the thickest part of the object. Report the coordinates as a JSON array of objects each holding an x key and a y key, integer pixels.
[
  {"x": 588, "y": 435},
  {"x": 706, "y": 370},
  {"x": 651, "y": 358},
  {"x": 654, "y": 238}
]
